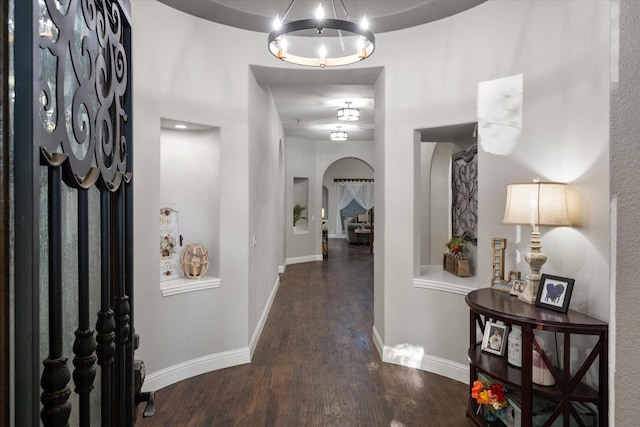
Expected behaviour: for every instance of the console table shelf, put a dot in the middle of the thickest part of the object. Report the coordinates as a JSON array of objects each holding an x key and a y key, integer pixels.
[{"x": 570, "y": 388}]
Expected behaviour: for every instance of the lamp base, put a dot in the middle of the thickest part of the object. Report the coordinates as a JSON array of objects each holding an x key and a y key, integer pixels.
[
  {"x": 531, "y": 290},
  {"x": 535, "y": 258}
]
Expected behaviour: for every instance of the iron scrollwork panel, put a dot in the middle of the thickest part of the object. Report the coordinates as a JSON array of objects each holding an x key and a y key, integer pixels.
[
  {"x": 79, "y": 127},
  {"x": 82, "y": 86},
  {"x": 464, "y": 187}
]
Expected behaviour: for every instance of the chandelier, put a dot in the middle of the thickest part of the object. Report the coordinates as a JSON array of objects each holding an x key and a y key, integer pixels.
[
  {"x": 334, "y": 41},
  {"x": 348, "y": 114},
  {"x": 338, "y": 135}
]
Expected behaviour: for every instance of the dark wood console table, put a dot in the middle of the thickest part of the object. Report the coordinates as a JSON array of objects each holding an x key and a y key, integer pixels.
[{"x": 574, "y": 333}]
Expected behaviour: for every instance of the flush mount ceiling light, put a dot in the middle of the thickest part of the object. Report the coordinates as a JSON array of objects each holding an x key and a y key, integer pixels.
[
  {"x": 348, "y": 114},
  {"x": 338, "y": 135},
  {"x": 321, "y": 42}
]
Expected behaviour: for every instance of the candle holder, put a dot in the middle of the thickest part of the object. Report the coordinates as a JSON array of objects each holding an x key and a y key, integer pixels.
[{"x": 194, "y": 261}]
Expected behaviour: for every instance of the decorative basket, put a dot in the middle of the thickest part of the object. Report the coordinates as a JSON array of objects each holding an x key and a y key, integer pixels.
[
  {"x": 458, "y": 266},
  {"x": 194, "y": 261}
]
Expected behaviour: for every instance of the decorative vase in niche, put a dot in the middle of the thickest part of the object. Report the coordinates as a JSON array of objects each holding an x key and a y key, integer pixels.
[{"x": 194, "y": 261}]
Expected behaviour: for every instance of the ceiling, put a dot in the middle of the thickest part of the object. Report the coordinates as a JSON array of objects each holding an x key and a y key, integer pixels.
[{"x": 307, "y": 100}]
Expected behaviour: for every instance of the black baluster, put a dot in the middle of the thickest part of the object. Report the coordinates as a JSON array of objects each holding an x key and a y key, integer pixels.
[
  {"x": 85, "y": 344},
  {"x": 55, "y": 377},
  {"x": 132, "y": 344},
  {"x": 106, "y": 324},
  {"x": 122, "y": 309}
]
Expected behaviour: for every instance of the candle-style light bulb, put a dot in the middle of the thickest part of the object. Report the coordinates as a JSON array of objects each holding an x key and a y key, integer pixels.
[
  {"x": 364, "y": 24},
  {"x": 362, "y": 52},
  {"x": 320, "y": 12},
  {"x": 282, "y": 48},
  {"x": 323, "y": 56}
]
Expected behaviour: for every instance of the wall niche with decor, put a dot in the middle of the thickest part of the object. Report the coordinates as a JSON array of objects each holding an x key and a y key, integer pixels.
[
  {"x": 448, "y": 183},
  {"x": 300, "y": 215},
  {"x": 190, "y": 192}
]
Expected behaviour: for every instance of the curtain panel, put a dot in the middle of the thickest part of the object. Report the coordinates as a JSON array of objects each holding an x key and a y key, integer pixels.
[{"x": 361, "y": 192}]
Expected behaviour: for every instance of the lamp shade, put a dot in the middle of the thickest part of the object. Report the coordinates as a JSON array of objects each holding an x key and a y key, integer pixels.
[{"x": 537, "y": 203}]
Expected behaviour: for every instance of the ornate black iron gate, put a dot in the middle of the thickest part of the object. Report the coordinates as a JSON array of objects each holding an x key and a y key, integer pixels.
[{"x": 73, "y": 253}]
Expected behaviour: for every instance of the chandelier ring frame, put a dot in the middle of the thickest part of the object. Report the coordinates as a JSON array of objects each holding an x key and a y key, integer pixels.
[{"x": 319, "y": 25}]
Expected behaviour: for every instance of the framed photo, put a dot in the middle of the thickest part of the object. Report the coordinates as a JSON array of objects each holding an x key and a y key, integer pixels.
[
  {"x": 513, "y": 275},
  {"x": 554, "y": 293},
  {"x": 518, "y": 286},
  {"x": 495, "y": 338},
  {"x": 498, "y": 281}
]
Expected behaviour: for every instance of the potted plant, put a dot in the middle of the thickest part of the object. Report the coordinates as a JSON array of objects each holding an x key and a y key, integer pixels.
[
  {"x": 298, "y": 209},
  {"x": 455, "y": 259},
  {"x": 457, "y": 247}
]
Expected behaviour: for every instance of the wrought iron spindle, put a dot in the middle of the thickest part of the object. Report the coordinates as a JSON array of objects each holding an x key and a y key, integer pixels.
[
  {"x": 106, "y": 324},
  {"x": 79, "y": 95},
  {"x": 122, "y": 309},
  {"x": 85, "y": 344},
  {"x": 55, "y": 377}
]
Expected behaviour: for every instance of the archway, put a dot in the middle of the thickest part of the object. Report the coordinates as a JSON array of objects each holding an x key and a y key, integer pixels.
[{"x": 348, "y": 168}]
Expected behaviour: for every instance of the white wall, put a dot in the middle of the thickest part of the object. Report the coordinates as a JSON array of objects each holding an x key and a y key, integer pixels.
[
  {"x": 625, "y": 205},
  {"x": 175, "y": 75},
  {"x": 303, "y": 246},
  {"x": 561, "y": 48},
  {"x": 265, "y": 221},
  {"x": 437, "y": 215}
]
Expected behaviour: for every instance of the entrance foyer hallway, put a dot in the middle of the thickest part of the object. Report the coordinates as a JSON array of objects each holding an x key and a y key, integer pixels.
[{"x": 316, "y": 365}]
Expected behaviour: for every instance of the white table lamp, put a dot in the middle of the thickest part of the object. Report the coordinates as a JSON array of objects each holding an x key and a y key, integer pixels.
[{"x": 536, "y": 204}]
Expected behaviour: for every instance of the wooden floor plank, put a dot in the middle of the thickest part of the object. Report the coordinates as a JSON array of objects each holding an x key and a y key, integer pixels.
[{"x": 316, "y": 364}]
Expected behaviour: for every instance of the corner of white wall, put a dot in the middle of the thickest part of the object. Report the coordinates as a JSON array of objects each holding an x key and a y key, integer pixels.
[{"x": 413, "y": 357}]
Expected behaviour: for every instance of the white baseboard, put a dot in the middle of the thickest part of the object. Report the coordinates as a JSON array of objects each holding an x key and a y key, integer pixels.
[
  {"x": 377, "y": 341},
  {"x": 191, "y": 368},
  {"x": 213, "y": 362},
  {"x": 282, "y": 268},
  {"x": 263, "y": 318},
  {"x": 302, "y": 259},
  {"x": 446, "y": 368},
  {"x": 414, "y": 357}
]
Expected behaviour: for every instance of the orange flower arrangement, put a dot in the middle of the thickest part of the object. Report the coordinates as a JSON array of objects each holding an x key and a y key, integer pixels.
[{"x": 491, "y": 395}]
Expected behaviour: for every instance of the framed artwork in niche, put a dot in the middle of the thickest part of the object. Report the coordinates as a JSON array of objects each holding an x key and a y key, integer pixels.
[
  {"x": 464, "y": 192},
  {"x": 170, "y": 244}
]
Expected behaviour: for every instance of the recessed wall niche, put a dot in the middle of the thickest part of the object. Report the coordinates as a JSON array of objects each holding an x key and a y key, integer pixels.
[
  {"x": 437, "y": 147},
  {"x": 190, "y": 184},
  {"x": 300, "y": 205}
]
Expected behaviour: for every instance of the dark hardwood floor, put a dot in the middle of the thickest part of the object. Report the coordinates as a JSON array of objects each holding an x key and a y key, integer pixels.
[{"x": 316, "y": 364}]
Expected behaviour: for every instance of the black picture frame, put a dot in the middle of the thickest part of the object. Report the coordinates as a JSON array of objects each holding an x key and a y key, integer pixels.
[
  {"x": 554, "y": 293},
  {"x": 488, "y": 344}
]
